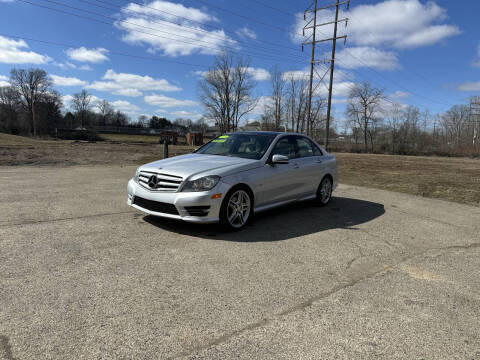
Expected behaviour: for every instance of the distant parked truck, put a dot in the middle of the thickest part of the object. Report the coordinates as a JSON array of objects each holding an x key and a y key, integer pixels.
[{"x": 194, "y": 138}]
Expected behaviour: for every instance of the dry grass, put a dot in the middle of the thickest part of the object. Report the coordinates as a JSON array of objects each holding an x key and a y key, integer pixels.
[
  {"x": 17, "y": 150},
  {"x": 454, "y": 179},
  {"x": 125, "y": 138}
]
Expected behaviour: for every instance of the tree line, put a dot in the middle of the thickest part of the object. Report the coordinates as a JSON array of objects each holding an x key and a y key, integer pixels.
[
  {"x": 373, "y": 123},
  {"x": 31, "y": 106}
]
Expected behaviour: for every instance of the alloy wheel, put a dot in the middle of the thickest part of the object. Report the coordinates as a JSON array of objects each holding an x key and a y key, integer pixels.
[
  {"x": 238, "y": 209},
  {"x": 325, "y": 190}
]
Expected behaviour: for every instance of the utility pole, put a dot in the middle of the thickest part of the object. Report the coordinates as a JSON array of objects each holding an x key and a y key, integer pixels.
[
  {"x": 331, "y": 61},
  {"x": 312, "y": 67},
  {"x": 474, "y": 119}
]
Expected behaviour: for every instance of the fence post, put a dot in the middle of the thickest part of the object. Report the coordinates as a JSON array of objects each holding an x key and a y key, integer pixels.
[{"x": 165, "y": 148}]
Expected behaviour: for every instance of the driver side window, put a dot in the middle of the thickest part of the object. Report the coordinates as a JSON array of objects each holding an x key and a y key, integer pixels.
[{"x": 285, "y": 147}]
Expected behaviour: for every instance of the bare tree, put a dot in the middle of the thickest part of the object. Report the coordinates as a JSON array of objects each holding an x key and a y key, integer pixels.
[
  {"x": 81, "y": 103},
  {"x": 455, "y": 123},
  {"x": 226, "y": 91},
  {"x": 9, "y": 101},
  {"x": 297, "y": 96},
  {"x": 31, "y": 84},
  {"x": 363, "y": 107},
  {"x": 278, "y": 96},
  {"x": 106, "y": 110}
]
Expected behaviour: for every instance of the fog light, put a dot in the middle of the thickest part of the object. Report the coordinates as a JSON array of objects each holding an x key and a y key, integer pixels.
[{"x": 216, "y": 196}]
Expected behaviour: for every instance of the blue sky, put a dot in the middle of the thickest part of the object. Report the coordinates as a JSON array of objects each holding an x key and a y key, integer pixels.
[{"x": 424, "y": 53}]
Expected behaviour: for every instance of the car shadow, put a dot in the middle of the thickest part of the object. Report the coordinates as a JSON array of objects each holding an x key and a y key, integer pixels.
[{"x": 283, "y": 223}]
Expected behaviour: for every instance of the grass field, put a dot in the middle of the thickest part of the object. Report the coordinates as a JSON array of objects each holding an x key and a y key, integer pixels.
[
  {"x": 453, "y": 179},
  {"x": 130, "y": 138}
]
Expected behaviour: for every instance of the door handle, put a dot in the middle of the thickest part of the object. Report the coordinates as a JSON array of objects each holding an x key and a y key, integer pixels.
[
  {"x": 318, "y": 161},
  {"x": 295, "y": 166}
]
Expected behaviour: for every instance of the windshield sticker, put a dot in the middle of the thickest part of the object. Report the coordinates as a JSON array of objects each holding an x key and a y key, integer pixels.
[{"x": 221, "y": 139}]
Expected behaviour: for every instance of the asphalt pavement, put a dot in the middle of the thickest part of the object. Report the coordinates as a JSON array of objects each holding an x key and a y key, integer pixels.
[{"x": 375, "y": 274}]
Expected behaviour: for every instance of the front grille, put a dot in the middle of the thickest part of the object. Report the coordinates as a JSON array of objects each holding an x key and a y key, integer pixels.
[
  {"x": 197, "y": 210},
  {"x": 155, "y": 206},
  {"x": 159, "y": 182}
]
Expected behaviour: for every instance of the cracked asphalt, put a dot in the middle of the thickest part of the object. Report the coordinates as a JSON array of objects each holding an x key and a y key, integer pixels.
[{"x": 376, "y": 274}]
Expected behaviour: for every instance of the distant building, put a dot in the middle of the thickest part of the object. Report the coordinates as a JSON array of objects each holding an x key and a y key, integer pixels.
[{"x": 251, "y": 126}]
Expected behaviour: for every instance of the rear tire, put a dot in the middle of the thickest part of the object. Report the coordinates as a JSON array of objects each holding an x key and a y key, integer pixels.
[
  {"x": 324, "y": 191},
  {"x": 237, "y": 209}
]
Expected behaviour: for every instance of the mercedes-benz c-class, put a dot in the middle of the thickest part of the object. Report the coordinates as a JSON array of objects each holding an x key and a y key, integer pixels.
[{"x": 233, "y": 176}]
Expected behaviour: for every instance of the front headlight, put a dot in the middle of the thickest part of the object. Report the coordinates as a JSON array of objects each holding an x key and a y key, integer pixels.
[
  {"x": 137, "y": 173},
  {"x": 203, "y": 184}
]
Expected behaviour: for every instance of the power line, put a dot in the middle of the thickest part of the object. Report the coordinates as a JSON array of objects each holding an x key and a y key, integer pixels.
[
  {"x": 198, "y": 22},
  {"x": 272, "y": 7},
  {"x": 149, "y": 28},
  {"x": 262, "y": 56},
  {"x": 242, "y": 16},
  {"x": 195, "y": 29}
]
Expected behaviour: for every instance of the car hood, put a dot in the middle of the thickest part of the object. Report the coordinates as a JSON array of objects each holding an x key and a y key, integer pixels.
[{"x": 191, "y": 165}]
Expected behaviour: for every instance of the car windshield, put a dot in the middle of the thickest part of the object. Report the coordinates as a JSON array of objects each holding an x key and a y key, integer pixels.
[{"x": 248, "y": 146}]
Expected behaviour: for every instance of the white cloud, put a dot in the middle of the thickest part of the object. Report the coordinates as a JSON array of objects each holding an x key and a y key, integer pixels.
[
  {"x": 395, "y": 24},
  {"x": 367, "y": 56},
  {"x": 259, "y": 74},
  {"x": 82, "y": 54},
  {"x": 144, "y": 24},
  {"x": 67, "y": 81},
  {"x": 13, "y": 52},
  {"x": 167, "y": 102},
  {"x": 469, "y": 86},
  {"x": 130, "y": 84},
  {"x": 340, "y": 89},
  {"x": 295, "y": 74},
  {"x": 263, "y": 103},
  {"x": 245, "y": 32},
  {"x": 186, "y": 114},
  {"x": 399, "y": 95},
  {"x": 4, "y": 81},
  {"x": 169, "y": 11},
  {"x": 392, "y": 23},
  {"x": 67, "y": 102},
  {"x": 65, "y": 65},
  {"x": 85, "y": 68},
  {"x": 125, "y": 106}
]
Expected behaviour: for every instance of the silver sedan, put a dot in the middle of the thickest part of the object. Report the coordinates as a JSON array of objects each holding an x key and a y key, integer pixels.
[{"x": 234, "y": 176}]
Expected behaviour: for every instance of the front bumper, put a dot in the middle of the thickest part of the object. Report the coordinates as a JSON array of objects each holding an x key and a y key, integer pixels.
[{"x": 181, "y": 201}]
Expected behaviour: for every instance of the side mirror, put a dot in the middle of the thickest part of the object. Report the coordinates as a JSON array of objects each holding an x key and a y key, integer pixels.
[{"x": 279, "y": 159}]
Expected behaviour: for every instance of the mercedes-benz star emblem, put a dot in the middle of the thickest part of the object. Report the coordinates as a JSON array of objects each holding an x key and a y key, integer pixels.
[{"x": 153, "y": 181}]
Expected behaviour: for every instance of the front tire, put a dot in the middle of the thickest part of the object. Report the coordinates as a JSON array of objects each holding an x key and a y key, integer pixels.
[
  {"x": 237, "y": 209},
  {"x": 324, "y": 191}
]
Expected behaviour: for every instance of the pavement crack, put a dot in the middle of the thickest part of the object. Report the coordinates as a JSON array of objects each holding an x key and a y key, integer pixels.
[
  {"x": 298, "y": 307},
  {"x": 65, "y": 219},
  {"x": 322, "y": 296}
]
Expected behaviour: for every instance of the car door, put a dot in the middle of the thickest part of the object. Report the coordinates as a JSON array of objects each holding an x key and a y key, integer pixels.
[
  {"x": 279, "y": 182},
  {"x": 308, "y": 157}
]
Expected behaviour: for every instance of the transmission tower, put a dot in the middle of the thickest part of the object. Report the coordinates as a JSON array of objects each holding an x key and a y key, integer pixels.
[
  {"x": 312, "y": 12},
  {"x": 474, "y": 119}
]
